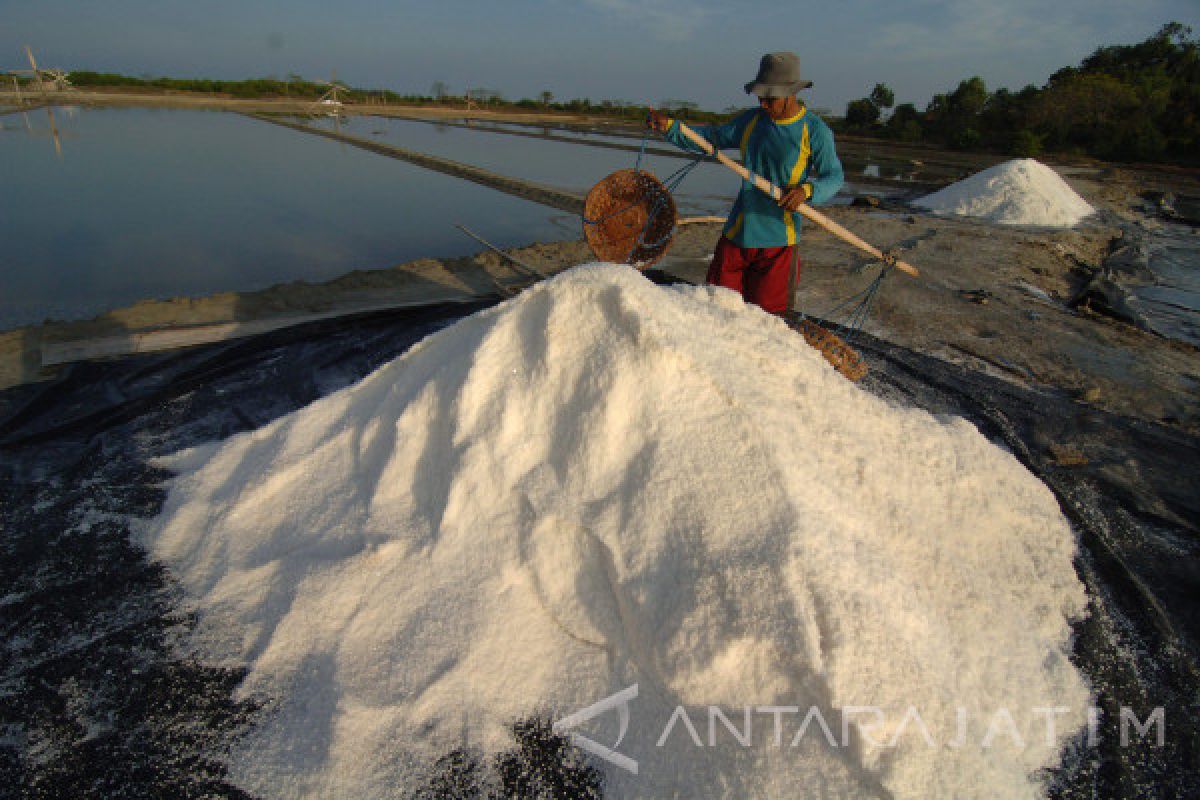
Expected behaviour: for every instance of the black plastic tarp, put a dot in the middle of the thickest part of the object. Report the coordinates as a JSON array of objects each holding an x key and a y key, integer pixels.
[{"x": 100, "y": 698}]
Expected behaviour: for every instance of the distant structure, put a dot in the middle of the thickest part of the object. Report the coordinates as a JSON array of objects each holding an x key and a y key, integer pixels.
[
  {"x": 331, "y": 103},
  {"x": 17, "y": 88},
  {"x": 43, "y": 80},
  {"x": 483, "y": 96},
  {"x": 58, "y": 80}
]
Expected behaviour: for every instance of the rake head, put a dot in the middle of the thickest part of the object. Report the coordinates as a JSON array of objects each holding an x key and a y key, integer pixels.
[{"x": 840, "y": 355}]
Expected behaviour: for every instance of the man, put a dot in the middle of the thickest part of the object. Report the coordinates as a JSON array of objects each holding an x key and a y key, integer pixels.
[{"x": 791, "y": 147}]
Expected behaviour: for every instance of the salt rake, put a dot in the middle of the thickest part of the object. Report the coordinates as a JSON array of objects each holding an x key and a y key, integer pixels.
[
  {"x": 630, "y": 216},
  {"x": 840, "y": 355},
  {"x": 762, "y": 184}
]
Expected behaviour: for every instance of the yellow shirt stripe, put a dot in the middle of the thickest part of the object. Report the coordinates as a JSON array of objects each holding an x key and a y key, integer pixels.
[
  {"x": 733, "y": 229},
  {"x": 796, "y": 118},
  {"x": 802, "y": 159},
  {"x": 746, "y": 134},
  {"x": 789, "y": 218}
]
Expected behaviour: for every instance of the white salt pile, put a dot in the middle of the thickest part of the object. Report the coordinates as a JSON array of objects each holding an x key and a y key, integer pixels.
[
  {"x": 603, "y": 483},
  {"x": 1020, "y": 192}
]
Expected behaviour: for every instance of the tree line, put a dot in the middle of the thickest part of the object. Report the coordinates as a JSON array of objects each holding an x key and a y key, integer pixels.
[
  {"x": 295, "y": 86},
  {"x": 1137, "y": 102}
]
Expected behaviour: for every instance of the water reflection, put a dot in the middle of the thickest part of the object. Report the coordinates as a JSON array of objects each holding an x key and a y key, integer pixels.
[
  {"x": 708, "y": 190},
  {"x": 161, "y": 203},
  {"x": 42, "y": 123}
]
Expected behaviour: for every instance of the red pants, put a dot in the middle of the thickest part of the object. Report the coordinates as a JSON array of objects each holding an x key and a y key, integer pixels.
[{"x": 763, "y": 275}]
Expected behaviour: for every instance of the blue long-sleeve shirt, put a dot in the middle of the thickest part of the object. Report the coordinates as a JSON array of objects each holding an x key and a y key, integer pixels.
[{"x": 789, "y": 153}]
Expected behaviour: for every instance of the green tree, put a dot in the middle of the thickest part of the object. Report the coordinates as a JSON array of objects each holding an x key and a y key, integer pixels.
[
  {"x": 1085, "y": 112},
  {"x": 865, "y": 112},
  {"x": 882, "y": 96},
  {"x": 861, "y": 113},
  {"x": 905, "y": 123},
  {"x": 954, "y": 119},
  {"x": 1163, "y": 74}
]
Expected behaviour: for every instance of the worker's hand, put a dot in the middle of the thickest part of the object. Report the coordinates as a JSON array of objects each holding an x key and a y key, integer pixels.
[
  {"x": 657, "y": 121},
  {"x": 794, "y": 198}
]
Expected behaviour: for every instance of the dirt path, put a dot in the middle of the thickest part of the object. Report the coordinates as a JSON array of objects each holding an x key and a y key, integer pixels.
[{"x": 296, "y": 106}]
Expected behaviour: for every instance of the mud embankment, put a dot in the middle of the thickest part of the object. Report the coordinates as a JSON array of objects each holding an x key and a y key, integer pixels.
[
  {"x": 994, "y": 299},
  {"x": 526, "y": 190},
  {"x": 276, "y": 105}
]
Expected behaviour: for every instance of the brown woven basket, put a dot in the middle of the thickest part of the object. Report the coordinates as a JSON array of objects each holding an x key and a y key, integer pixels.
[
  {"x": 841, "y": 355},
  {"x": 629, "y": 218}
]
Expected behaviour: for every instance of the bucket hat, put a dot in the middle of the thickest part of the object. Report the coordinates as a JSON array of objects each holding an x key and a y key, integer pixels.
[{"x": 778, "y": 76}]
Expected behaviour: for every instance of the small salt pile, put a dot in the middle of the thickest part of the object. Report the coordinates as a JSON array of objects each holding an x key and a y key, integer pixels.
[
  {"x": 1020, "y": 192},
  {"x": 602, "y": 483}
]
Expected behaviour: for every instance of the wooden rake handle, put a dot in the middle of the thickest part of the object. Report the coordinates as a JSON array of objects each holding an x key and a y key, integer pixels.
[{"x": 808, "y": 211}]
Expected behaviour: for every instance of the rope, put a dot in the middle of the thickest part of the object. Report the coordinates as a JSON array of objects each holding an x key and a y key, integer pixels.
[
  {"x": 637, "y": 165},
  {"x": 861, "y": 301},
  {"x": 670, "y": 184}
]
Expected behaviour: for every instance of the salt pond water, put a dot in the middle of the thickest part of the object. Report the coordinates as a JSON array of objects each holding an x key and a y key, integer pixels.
[
  {"x": 858, "y": 159},
  {"x": 709, "y": 189},
  {"x": 159, "y": 203}
]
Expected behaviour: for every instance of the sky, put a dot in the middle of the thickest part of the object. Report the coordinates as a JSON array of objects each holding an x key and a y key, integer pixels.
[{"x": 633, "y": 50}]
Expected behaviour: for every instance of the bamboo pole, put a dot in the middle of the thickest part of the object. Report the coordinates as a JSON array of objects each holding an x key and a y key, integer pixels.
[
  {"x": 535, "y": 273},
  {"x": 37, "y": 73},
  {"x": 808, "y": 211}
]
